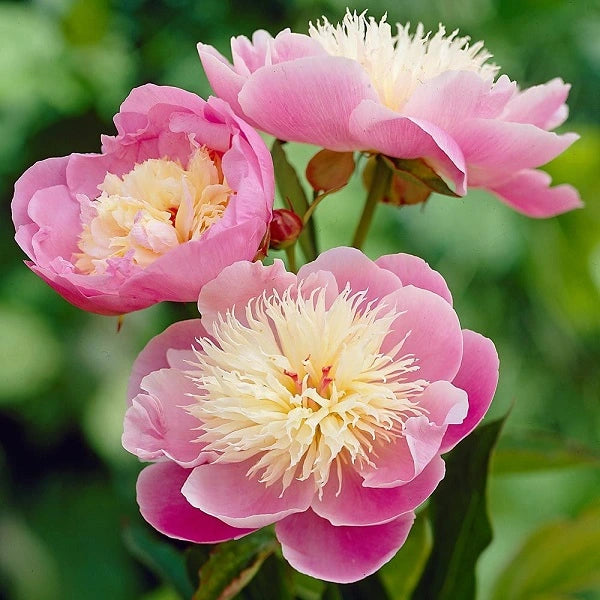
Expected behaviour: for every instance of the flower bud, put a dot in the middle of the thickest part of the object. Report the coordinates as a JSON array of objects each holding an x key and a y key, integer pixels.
[{"x": 285, "y": 228}]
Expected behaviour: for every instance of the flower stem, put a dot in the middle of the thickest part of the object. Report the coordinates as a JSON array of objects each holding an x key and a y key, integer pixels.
[
  {"x": 379, "y": 186},
  {"x": 290, "y": 252}
]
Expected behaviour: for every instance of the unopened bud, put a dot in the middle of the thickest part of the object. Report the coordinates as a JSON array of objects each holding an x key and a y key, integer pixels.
[
  {"x": 285, "y": 228},
  {"x": 328, "y": 171}
]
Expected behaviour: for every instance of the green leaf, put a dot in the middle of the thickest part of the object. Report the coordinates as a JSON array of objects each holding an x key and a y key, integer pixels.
[
  {"x": 309, "y": 588},
  {"x": 559, "y": 560},
  {"x": 272, "y": 582},
  {"x": 160, "y": 557},
  {"x": 460, "y": 524},
  {"x": 292, "y": 193},
  {"x": 534, "y": 451},
  {"x": 418, "y": 172},
  {"x": 401, "y": 574},
  {"x": 365, "y": 589},
  {"x": 232, "y": 565}
]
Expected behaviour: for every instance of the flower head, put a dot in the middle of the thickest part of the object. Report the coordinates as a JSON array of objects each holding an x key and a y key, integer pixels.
[
  {"x": 320, "y": 402},
  {"x": 185, "y": 181},
  {"x": 360, "y": 85}
]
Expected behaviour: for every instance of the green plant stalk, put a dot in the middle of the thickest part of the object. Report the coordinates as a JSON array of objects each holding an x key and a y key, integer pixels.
[
  {"x": 379, "y": 186},
  {"x": 290, "y": 252}
]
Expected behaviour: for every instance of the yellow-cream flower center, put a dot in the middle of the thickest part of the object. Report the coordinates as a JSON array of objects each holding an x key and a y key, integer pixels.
[
  {"x": 301, "y": 387},
  {"x": 158, "y": 205},
  {"x": 398, "y": 64}
]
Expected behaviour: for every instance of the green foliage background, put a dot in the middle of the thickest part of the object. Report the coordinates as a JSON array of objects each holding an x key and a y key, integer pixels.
[{"x": 67, "y": 487}]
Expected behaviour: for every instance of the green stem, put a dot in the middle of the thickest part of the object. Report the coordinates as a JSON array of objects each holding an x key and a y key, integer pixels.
[
  {"x": 379, "y": 186},
  {"x": 290, "y": 252}
]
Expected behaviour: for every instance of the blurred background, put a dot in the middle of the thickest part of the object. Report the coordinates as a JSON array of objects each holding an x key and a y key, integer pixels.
[{"x": 66, "y": 485}]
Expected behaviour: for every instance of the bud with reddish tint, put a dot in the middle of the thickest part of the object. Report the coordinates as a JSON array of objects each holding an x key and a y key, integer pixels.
[{"x": 285, "y": 228}]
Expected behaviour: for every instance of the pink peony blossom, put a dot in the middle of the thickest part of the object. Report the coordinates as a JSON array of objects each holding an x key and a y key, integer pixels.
[
  {"x": 183, "y": 190},
  {"x": 320, "y": 402},
  {"x": 356, "y": 86}
]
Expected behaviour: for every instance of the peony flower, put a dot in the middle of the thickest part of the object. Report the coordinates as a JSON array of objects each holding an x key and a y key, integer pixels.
[
  {"x": 320, "y": 402},
  {"x": 357, "y": 86},
  {"x": 184, "y": 189}
]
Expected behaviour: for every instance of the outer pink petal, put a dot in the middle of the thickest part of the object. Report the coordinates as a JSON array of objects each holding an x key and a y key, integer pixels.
[
  {"x": 227, "y": 492},
  {"x": 530, "y": 193},
  {"x": 157, "y": 424},
  {"x": 539, "y": 104},
  {"x": 478, "y": 376},
  {"x": 379, "y": 128},
  {"x": 141, "y": 99},
  {"x": 43, "y": 174},
  {"x": 57, "y": 215},
  {"x": 434, "y": 334},
  {"x": 314, "y": 546},
  {"x": 308, "y": 100},
  {"x": 358, "y": 505},
  {"x": 413, "y": 270},
  {"x": 162, "y": 504},
  {"x": 180, "y": 336},
  {"x": 351, "y": 266},
  {"x": 239, "y": 283},
  {"x": 497, "y": 147},
  {"x": 225, "y": 82}
]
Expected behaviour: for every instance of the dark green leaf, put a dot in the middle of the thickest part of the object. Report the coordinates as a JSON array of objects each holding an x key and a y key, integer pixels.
[
  {"x": 160, "y": 557},
  {"x": 418, "y": 172},
  {"x": 460, "y": 524},
  {"x": 232, "y": 565},
  {"x": 401, "y": 574},
  {"x": 559, "y": 560},
  {"x": 331, "y": 592},
  {"x": 309, "y": 588},
  {"x": 272, "y": 582},
  {"x": 540, "y": 451},
  {"x": 195, "y": 557},
  {"x": 292, "y": 193},
  {"x": 365, "y": 589}
]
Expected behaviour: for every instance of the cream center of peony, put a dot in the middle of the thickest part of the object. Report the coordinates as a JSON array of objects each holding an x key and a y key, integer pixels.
[
  {"x": 158, "y": 205},
  {"x": 301, "y": 387},
  {"x": 398, "y": 64}
]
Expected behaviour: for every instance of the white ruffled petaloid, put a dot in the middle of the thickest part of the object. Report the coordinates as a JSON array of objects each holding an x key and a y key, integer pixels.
[
  {"x": 300, "y": 385},
  {"x": 398, "y": 64}
]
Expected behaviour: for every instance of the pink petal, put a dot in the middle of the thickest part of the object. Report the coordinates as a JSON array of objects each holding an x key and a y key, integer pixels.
[
  {"x": 223, "y": 79},
  {"x": 434, "y": 334},
  {"x": 57, "y": 214},
  {"x": 180, "y": 335},
  {"x": 291, "y": 46},
  {"x": 403, "y": 460},
  {"x": 351, "y": 266},
  {"x": 379, "y": 128},
  {"x": 498, "y": 147},
  {"x": 141, "y": 99},
  {"x": 225, "y": 491},
  {"x": 358, "y": 505},
  {"x": 313, "y": 546},
  {"x": 204, "y": 259},
  {"x": 539, "y": 104},
  {"x": 455, "y": 96},
  {"x": 162, "y": 504},
  {"x": 157, "y": 424},
  {"x": 237, "y": 284},
  {"x": 308, "y": 100},
  {"x": 478, "y": 376},
  {"x": 530, "y": 193},
  {"x": 43, "y": 174},
  {"x": 413, "y": 270}
]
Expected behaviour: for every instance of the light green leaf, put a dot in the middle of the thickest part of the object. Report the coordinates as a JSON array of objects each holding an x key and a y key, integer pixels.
[
  {"x": 459, "y": 519},
  {"x": 293, "y": 194},
  {"x": 539, "y": 451},
  {"x": 401, "y": 574},
  {"x": 231, "y": 565},
  {"x": 559, "y": 560}
]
